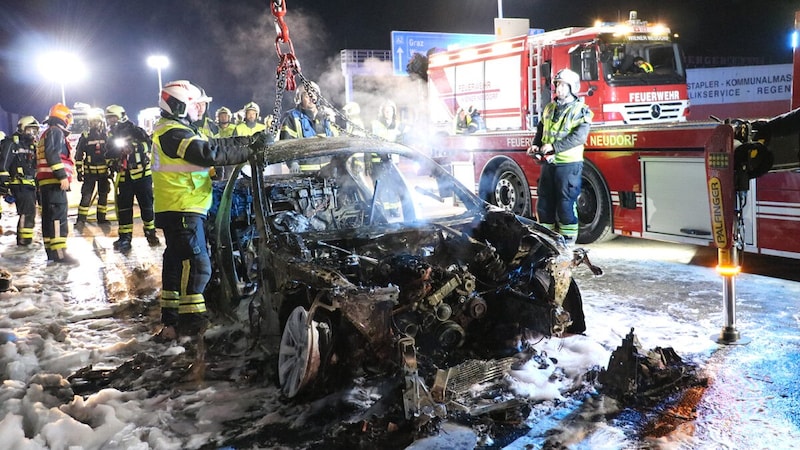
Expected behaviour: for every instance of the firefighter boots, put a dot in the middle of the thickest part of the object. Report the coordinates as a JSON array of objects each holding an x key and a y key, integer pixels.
[
  {"x": 101, "y": 219},
  {"x": 152, "y": 239},
  {"x": 123, "y": 244}
]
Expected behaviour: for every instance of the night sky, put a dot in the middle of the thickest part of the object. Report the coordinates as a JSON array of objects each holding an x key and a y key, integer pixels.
[{"x": 228, "y": 48}]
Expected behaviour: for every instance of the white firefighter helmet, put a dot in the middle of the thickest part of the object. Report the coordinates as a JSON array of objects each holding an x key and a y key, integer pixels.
[
  {"x": 572, "y": 79},
  {"x": 116, "y": 111},
  {"x": 27, "y": 122},
  {"x": 176, "y": 96},
  {"x": 223, "y": 110},
  {"x": 351, "y": 109},
  {"x": 314, "y": 92},
  {"x": 252, "y": 106}
]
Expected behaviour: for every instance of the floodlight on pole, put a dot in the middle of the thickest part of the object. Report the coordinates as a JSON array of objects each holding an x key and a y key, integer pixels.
[
  {"x": 61, "y": 67},
  {"x": 158, "y": 62}
]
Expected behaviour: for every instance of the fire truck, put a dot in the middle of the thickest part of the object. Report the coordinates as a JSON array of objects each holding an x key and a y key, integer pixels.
[
  {"x": 509, "y": 80},
  {"x": 644, "y": 172}
]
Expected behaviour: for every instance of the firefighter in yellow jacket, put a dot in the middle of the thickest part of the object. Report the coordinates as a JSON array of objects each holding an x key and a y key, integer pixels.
[
  {"x": 558, "y": 145},
  {"x": 54, "y": 169},
  {"x": 182, "y": 156}
]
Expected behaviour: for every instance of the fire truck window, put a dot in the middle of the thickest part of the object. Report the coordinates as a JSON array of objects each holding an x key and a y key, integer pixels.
[{"x": 588, "y": 65}]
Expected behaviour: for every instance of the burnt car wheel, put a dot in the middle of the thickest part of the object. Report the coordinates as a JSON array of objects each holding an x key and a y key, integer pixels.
[
  {"x": 299, "y": 357},
  {"x": 510, "y": 190}
]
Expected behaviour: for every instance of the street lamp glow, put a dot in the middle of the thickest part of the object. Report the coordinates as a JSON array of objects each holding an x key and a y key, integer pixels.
[
  {"x": 158, "y": 62},
  {"x": 61, "y": 68}
]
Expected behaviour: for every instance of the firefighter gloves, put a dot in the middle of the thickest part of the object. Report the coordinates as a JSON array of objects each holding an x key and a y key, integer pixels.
[{"x": 260, "y": 141}]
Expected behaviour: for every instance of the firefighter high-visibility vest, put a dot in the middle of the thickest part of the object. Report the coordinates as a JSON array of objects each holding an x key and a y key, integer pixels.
[
  {"x": 46, "y": 173},
  {"x": 244, "y": 129},
  {"x": 555, "y": 129},
  {"x": 177, "y": 184}
]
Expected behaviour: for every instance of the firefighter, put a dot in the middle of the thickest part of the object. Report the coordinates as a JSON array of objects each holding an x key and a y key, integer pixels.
[
  {"x": 251, "y": 123},
  {"x": 387, "y": 125},
  {"x": 469, "y": 120},
  {"x": 558, "y": 145},
  {"x": 355, "y": 125},
  {"x": 130, "y": 149},
  {"x": 18, "y": 160},
  {"x": 91, "y": 166},
  {"x": 226, "y": 127},
  {"x": 306, "y": 119},
  {"x": 54, "y": 169},
  {"x": 183, "y": 197},
  {"x": 642, "y": 65},
  {"x": 206, "y": 126},
  {"x": 3, "y": 174}
]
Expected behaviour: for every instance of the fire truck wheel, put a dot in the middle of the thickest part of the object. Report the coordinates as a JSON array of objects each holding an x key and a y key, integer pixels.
[
  {"x": 594, "y": 208},
  {"x": 510, "y": 191}
]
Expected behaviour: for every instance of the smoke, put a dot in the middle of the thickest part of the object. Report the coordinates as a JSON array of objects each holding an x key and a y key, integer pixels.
[
  {"x": 245, "y": 56},
  {"x": 245, "y": 62}
]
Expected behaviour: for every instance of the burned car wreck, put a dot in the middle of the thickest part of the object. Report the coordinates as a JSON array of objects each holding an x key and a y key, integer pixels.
[{"x": 356, "y": 256}]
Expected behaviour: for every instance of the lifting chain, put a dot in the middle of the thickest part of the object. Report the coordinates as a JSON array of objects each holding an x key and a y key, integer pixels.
[
  {"x": 288, "y": 65},
  {"x": 288, "y": 68}
]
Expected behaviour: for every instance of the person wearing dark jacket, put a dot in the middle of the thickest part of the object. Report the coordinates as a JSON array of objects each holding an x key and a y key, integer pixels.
[
  {"x": 91, "y": 166},
  {"x": 18, "y": 161},
  {"x": 54, "y": 169},
  {"x": 130, "y": 147},
  {"x": 182, "y": 157}
]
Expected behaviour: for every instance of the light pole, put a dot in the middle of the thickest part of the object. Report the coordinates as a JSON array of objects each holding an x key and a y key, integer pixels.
[
  {"x": 499, "y": 9},
  {"x": 158, "y": 62},
  {"x": 61, "y": 68}
]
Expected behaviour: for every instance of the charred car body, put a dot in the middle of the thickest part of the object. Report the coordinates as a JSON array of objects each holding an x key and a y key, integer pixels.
[{"x": 361, "y": 256}]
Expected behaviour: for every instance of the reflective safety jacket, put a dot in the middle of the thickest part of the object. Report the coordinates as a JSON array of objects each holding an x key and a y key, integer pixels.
[
  {"x": 18, "y": 160},
  {"x": 226, "y": 131},
  {"x": 182, "y": 156},
  {"x": 90, "y": 153},
  {"x": 248, "y": 128},
  {"x": 131, "y": 149},
  {"x": 297, "y": 123},
  {"x": 54, "y": 155},
  {"x": 566, "y": 127}
]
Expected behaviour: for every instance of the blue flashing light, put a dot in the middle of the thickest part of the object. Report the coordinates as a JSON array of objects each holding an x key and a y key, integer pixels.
[{"x": 793, "y": 39}]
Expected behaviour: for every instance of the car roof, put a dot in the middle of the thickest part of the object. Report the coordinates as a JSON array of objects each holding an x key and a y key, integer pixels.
[{"x": 290, "y": 149}]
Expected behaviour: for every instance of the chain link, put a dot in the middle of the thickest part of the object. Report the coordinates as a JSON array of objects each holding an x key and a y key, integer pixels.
[{"x": 288, "y": 68}]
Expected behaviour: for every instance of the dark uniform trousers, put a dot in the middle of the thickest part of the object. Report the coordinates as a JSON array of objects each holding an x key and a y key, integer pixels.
[
  {"x": 187, "y": 265},
  {"x": 55, "y": 228},
  {"x": 142, "y": 189},
  {"x": 87, "y": 189},
  {"x": 25, "y": 199}
]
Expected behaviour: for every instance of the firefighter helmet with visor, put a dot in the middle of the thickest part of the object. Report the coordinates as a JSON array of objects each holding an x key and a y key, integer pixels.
[
  {"x": 26, "y": 122},
  {"x": 572, "y": 79},
  {"x": 252, "y": 106},
  {"x": 115, "y": 111},
  {"x": 62, "y": 112},
  {"x": 176, "y": 96}
]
